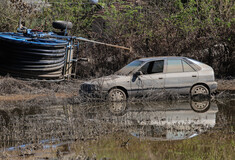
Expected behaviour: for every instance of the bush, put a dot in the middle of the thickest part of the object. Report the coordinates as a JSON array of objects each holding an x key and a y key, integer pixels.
[{"x": 151, "y": 28}]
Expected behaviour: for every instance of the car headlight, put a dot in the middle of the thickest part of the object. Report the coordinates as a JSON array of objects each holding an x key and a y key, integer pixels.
[{"x": 89, "y": 87}]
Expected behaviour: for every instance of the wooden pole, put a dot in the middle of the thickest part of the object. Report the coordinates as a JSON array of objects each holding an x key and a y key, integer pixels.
[{"x": 111, "y": 45}]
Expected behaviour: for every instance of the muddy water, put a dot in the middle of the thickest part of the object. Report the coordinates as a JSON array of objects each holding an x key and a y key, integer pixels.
[{"x": 118, "y": 130}]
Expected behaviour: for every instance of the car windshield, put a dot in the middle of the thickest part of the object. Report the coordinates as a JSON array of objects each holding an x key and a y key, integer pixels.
[{"x": 130, "y": 67}]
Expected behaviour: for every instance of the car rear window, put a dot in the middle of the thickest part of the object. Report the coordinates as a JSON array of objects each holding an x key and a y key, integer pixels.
[
  {"x": 187, "y": 67},
  {"x": 194, "y": 63}
]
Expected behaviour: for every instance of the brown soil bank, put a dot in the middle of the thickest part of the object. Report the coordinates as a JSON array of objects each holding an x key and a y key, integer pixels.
[
  {"x": 19, "y": 92},
  {"x": 38, "y": 92},
  {"x": 226, "y": 85}
]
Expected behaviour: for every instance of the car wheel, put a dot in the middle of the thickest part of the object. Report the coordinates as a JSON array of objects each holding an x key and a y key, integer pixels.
[
  {"x": 199, "y": 90},
  {"x": 116, "y": 95}
]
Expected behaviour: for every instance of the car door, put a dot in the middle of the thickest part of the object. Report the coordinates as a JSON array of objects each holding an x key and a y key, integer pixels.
[
  {"x": 180, "y": 76},
  {"x": 151, "y": 80}
]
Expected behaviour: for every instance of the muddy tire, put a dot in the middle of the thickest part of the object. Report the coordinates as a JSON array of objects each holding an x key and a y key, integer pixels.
[
  {"x": 200, "y": 90},
  {"x": 116, "y": 95},
  {"x": 62, "y": 25}
]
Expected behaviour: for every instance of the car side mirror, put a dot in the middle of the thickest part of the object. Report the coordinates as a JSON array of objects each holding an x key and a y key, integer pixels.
[{"x": 138, "y": 73}]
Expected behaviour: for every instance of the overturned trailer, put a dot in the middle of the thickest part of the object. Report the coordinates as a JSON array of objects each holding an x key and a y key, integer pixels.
[{"x": 36, "y": 54}]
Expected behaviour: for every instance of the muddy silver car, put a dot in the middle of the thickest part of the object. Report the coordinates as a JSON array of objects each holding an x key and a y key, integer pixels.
[{"x": 149, "y": 76}]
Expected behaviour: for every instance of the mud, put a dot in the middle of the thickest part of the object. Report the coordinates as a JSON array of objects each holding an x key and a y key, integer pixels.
[
  {"x": 47, "y": 93},
  {"x": 30, "y": 93},
  {"x": 226, "y": 85}
]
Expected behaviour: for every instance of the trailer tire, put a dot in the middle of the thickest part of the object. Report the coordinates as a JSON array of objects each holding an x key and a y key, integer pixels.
[{"x": 62, "y": 25}]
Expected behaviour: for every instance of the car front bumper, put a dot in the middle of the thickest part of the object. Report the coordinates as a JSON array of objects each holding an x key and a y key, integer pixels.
[{"x": 93, "y": 94}]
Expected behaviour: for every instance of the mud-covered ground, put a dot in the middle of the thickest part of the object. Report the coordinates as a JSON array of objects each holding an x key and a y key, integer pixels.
[{"x": 28, "y": 93}]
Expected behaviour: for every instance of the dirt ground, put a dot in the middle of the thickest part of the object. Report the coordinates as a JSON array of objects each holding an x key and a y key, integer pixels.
[
  {"x": 37, "y": 93},
  {"x": 14, "y": 90},
  {"x": 226, "y": 85}
]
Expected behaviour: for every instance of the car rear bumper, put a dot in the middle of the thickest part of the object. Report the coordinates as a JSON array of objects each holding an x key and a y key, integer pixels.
[{"x": 213, "y": 86}]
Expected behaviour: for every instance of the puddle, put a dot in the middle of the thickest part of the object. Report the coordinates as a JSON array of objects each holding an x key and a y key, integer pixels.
[{"x": 60, "y": 131}]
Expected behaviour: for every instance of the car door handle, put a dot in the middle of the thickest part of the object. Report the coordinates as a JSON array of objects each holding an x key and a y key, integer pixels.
[
  {"x": 160, "y": 78},
  {"x": 194, "y": 76}
]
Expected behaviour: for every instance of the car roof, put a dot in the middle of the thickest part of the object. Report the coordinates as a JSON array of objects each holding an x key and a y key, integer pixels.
[{"x": 160, "y": 58}]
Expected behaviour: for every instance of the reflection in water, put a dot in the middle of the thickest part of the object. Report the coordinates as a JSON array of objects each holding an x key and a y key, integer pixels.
[
  {"x": 158, "y": 121},
  {"x": 45, "y": 127},
  {"x": 201, "y": 105}
]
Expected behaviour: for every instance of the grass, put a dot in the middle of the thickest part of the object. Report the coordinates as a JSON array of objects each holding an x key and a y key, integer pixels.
[
  {"x": 218, "y": 145},
  {"x": 208, "y": 146}
]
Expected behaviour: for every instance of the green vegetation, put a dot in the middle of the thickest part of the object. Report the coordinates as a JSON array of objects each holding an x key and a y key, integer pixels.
[
  {"x": 207, "y": 147},
  {"x": 7, "y": 18},
  {"x": 150, "y": 28}
]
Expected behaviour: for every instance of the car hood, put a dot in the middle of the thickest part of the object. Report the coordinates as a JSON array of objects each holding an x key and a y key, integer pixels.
[{"x": 108, "y": 80}]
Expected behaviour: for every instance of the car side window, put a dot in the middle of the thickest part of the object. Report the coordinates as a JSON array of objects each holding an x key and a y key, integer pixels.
[
  {"x": 174, "y": 66},
  {"x": 158, "y": 66},
  {"x": 145, "y": 68},
  {"x": 153, "y": 67},
  {"x": 187, "y": 67}
]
